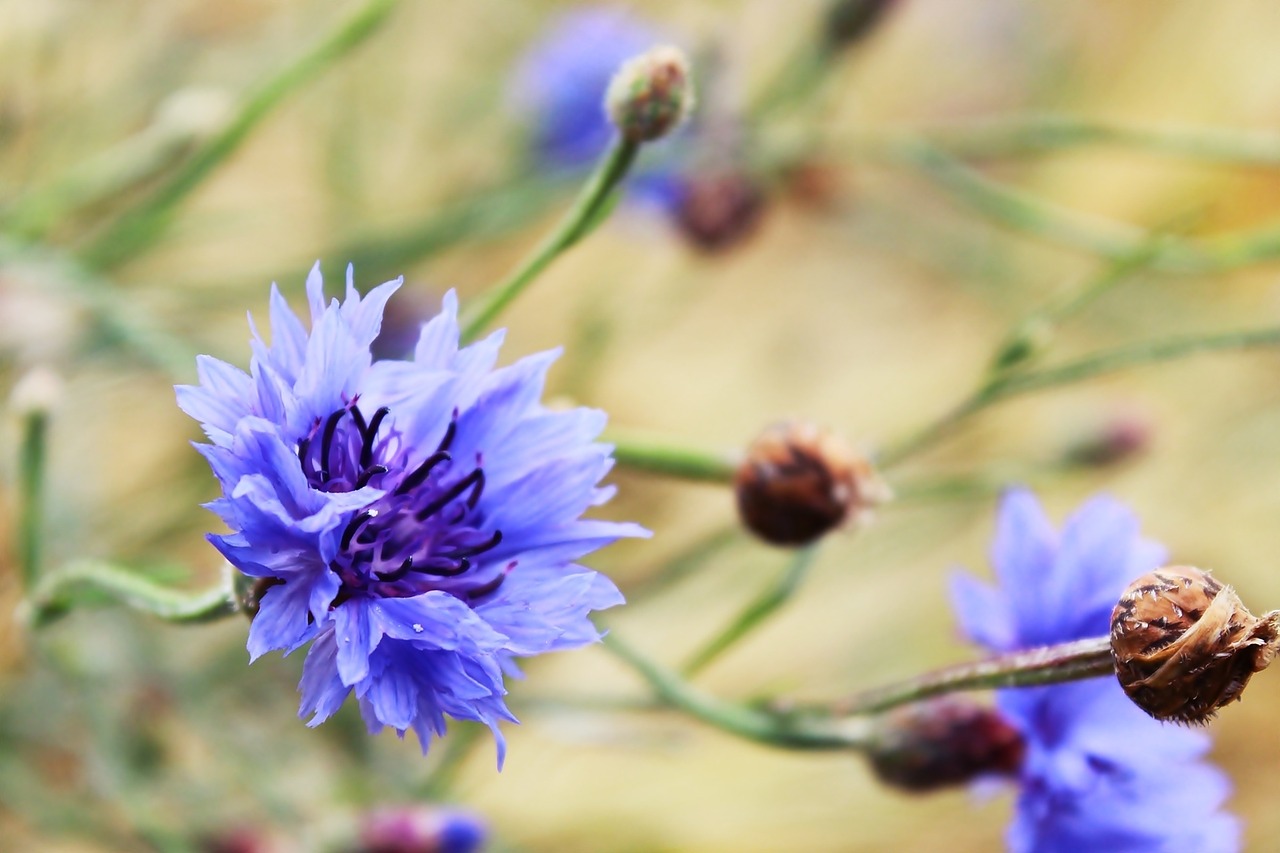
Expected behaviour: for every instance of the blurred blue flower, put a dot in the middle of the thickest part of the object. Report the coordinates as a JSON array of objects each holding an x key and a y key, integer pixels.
[
  {"x": 416, "y": 521},
  {"x": 1099, "y": 774},
  {"x": 560, "y": 84}
]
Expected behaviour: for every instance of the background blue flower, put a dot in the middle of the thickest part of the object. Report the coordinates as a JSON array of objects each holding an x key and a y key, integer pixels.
[
  {"x": 1099, "y": 773},
  {"x": 416, "y": 521},
  {"x": 560, "y": 85}
]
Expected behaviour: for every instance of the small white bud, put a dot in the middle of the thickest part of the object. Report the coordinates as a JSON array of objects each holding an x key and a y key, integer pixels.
[{"x": 651, "y": 94}]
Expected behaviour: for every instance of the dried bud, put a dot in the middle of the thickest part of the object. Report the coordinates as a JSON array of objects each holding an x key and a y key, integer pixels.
[
  {"x": 650, "y": 95},
  {"x": 850, "y": 20},
  {"x": 249, "y": 592},
  {"x": 421, "y": 830},
  {"x": 718, "y": 210},
  {"x": 1184, "y": 644},
  {"x": 949, "y": 741},
  {"x": 1120, "y": 438},
  {"x": 798, "y": 482}
]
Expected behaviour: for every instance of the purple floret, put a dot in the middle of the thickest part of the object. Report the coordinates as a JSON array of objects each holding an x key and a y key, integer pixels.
[{"x": 418, "y": 522}]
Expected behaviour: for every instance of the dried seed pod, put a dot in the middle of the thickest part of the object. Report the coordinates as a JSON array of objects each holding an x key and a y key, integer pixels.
[
  {"x": 719, "y": 210},
  {"x": 1185, "y": 645},
  {"x": 798, "y": 482},
  {"x": 942, "y": 742}
]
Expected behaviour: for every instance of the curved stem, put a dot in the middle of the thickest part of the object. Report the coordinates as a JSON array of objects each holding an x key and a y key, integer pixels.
[
  {"x": 792, "y": 732},
  {"x": 138, "y": 229},
  {"x": 760, "y": 608},
  {"x": 1004, "y": 386},
  {"x": 1080, "y": 659},
  {"x": 664, "y": 456},
  {"x": 1024, "y": 212},
  {"x": 588, "y": 211},
  {"x": 1018, "y": 135},
  {"x": 56, "y": 594}
]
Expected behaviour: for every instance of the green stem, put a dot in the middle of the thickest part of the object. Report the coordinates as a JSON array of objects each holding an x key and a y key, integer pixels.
[
  {"x": 56, "y": 594},
  {"x": 760, "y": 608},
  {"x": 1024, "y": 212},
  {"x": 108, "y": 176},
  {"x": 1015, "y": 136},
  {"x": 588, "y": 211},
  {"x": 787, "y": 731},
  {"x": 1003, "y": 386},
  {"x": 457, "y": 749},
  {"x": 663, "y": 456},
  {"x": 1080, "y": 659},
  {"x": 140, "y": 228},
  {"x": 32, "y": 455}
]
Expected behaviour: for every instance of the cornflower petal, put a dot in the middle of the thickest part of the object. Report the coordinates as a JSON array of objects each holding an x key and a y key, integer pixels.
[{"x": 417, "y": 522}]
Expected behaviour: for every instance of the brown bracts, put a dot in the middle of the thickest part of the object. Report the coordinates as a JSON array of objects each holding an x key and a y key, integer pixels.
[{"x": 1185, "y": 645}]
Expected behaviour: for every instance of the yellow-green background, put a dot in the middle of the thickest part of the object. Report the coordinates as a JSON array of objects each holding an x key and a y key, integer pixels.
[{"x": 871, "y": 314}]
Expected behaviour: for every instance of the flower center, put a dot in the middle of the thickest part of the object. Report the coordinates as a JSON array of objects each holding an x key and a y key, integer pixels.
[{"x": 425, "y": 533}]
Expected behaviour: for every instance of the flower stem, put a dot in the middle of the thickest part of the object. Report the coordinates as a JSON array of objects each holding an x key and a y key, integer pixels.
[
  {"x": 588, "y": 211},
  {"x": 663, "y": 456},
  {"x": 1079, "y": 659},
  {"x": 1003, "y": 386},
  {"x": 1021, "y": 211},
  {"x": 138, "y": 229},
  {"x": 762, "y": 726},
  {"x": 1018, "y": 135},
  {"x": 32, "y": 455},
  {"x": 760, "y": 608},
  {"x": 57, "y": 593}
]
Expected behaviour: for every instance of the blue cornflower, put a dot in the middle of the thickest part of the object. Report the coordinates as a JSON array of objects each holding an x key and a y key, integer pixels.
[
  {"x": 1099, "y": 774},
  {"x": 416, "y": 521},
  {"x": 561, "y": 82}
]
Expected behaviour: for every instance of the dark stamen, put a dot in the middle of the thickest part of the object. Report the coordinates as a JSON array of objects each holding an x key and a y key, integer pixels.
[
  {"x": 449, "y": 433},
  {"x": 354, "y": 525},
  {"x": 419, "y": 475},
  {"x": 476, "y": 476},
  {"x": 441, "y": 568},
  {"x": 405, "y": 568},
  {"x": 474, "y": 497},
  {"x": 475, "y": 550},
  {"x": 369, "y": 433},
  {"x": 326, "y": 443},
  {"x": 491, "y": 586},
  {"x": 369, "y": 473},
  {"x": 359, "y": 419}
]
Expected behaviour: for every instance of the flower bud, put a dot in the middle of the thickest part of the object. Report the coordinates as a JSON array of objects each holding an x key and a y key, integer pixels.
[
  {"x": 421, "y": 830},
  {"x": 1184, "y": 644},
  {"x": 718, "y": 210},
  {"x": 650, "y": 95},
  {"x": 798, "y": 482},
  {"x": 943, "y": 742}
]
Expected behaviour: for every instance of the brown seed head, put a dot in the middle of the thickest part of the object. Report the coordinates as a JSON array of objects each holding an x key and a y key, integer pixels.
[
  {"x": 1185, "y": 645},
  {"x": 798, "y": 482},
  {"x": 942, "y": 742}
]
